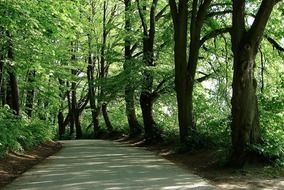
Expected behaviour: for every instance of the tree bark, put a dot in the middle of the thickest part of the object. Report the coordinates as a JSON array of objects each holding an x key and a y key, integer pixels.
[
  {"x": 91, "y": 89},
  {"x": 185, "y": 70},
  {"x": 71, "y": 117},
  {"x": 30, "y": 93},
  {"x": 146, "y": 97},
  {"x": 60, "y": 116},
  {"x": 75, "y": 110},
  {"x": 245, "y": 117},
  {"x": 106, "y": 118},
  {"x": 14, "y": 101},
  {"x": 61, "y": 128},
  {"x": 134, "y": 128}
]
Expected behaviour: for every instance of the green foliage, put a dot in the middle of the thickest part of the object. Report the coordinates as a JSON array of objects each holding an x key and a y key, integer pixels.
[
  {"x": 272, "y": 119},
  {"x": 19, "y": 134}
]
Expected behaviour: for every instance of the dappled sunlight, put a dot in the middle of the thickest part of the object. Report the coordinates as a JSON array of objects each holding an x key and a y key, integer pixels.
[{"x": 106, "y": 165}]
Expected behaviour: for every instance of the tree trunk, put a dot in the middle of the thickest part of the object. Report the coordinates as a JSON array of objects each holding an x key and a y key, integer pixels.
[
  {"x": 60, "y": 116},
  {"x": 2, "y": 58},
  {"x": 146, "y": 104},
  {"x": 61, "y": 128},
  {"x": 14, "y": 102},
  {"x": 134, "y": 128},
  {"x": 245, "y": 43},
  {"x": 75, "y": 110},
  {"x": 106, "y": 118},
  {"x": 78, "y": 127},
  {"x": 30, "y": 93},
  {"x": 245, "y": 117},
  {"x": 146, "y": 97},
  {"x": 71, "y": 118},
  {"x": 91, "y": 90},
  {"x": 3, "y": 92},
  {"x": 181, "y": 75},
  {"x": 1, "y": 71}
]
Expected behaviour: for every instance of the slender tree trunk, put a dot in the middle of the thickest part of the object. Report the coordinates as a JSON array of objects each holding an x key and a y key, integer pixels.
[
  {"x": 75, "y": 110},
  {"x": 14, "y": 102},
  {"x": 2, "y": 58},
  {"x": 3, "y": 91},
  {"x": 30, "y": 93},
  {"x": 106, "y": 118},
  {"x": 2, "y": 82},
  {"x": 1, "y": 71},
  {"x": 60, "y": 120},
  {"x": 146, "y": 97},
  {"x": 60, "y": 116},
  {"x": 71, "y": 118},
  {"x": 78, "y": 127},
  {"x": 91, "y": 90},
  {"x": 134, "y": 128},
  {"x": 90, "y": 76}
]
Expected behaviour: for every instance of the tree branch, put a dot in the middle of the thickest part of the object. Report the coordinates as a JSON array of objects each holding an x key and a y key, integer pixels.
[
  {"x": 174, "y": 12},
  {"x": 160, "y": 14},
  {"x": 144, "y": 25},
  {"x": 274, "y": 43},
  {"x": 218, "y": 13},
  {"x": 214, "y": 34}
]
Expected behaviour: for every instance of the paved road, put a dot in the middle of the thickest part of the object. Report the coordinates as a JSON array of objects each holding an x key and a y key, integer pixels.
[{"x": 105, "y": 165}]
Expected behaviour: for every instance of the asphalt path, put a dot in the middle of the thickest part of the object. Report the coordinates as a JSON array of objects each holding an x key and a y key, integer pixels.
[{"x": 106, "y": 165}]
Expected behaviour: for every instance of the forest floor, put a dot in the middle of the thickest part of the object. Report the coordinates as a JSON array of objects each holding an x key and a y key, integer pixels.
[
  {"x": 206, "y": 163},
  {"x": 14, "y": 164}
]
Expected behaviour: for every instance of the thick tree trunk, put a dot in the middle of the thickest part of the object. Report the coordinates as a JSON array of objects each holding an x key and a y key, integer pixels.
[
  {"x": 134, "y": 128},
  {"x": 184, "y": 101},
  {"x": 245, "y": 117},
  {"x": 106, "y": 118},
  {"x": 30, "y": 93},
  {"x": 245, "y": 43}
]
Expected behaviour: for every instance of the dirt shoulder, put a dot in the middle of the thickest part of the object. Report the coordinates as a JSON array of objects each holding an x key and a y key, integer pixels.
[
  {"x": 14, "y": 164},
  {"x": 206, "y": 163}
]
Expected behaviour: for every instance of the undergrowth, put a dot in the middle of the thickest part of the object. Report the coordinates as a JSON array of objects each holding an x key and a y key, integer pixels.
[{"x": 21, "y": 133}]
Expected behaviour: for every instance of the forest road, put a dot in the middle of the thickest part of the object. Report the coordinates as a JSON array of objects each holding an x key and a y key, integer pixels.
[{"x": 106, "y": 165}]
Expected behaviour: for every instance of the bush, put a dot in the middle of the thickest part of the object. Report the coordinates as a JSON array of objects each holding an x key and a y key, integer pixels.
[{"x": 21, "y": 133}]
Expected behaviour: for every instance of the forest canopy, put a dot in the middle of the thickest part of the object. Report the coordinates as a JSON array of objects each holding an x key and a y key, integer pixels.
[{"x": 198, "y": 73}]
